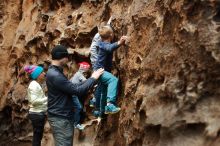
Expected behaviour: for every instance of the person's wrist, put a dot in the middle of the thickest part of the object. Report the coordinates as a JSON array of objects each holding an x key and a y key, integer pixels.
[{"x": 93, "y": 78}]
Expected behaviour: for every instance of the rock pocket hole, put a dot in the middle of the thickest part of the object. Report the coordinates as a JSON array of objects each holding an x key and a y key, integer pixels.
[
  {"x": 69, "y": 20},
  {"x": 78, "y": 16},
  {"x": 14, "y": 56},
  {"x": 6, "y": 113},
  {"x": 56, "y": 33},
  {"x": 21, "y": 38},
  {"x": 138, "y": 60},
  {"x": 45, "y": 18},
  {"x": 76, "y": 3},
  {"x": 137, "y": 142},
  {"x": 1, "y": 38},
  {"x": 142, "y": 117},
  {"x": 70, "y": 17},
  {"x": 218, "y": 29},
  {"x": 218, "y": 44},
  {"x": 138, "y": 104},
  {"x": 217, "y": 16},
  {"x": 1, "y": 20}
]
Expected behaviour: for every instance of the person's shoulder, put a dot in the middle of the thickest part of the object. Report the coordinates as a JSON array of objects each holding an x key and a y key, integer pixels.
[
  {"x": 78, "y": 75},
  {"x": 73, "y": 77},
  {"x": 34, "y": 84},
  {"x": 96, "y": 38},
  {"x": 97, "y": 35},
  {"x": 104, "y": 44},
  {"x": 52, "y": 72}
]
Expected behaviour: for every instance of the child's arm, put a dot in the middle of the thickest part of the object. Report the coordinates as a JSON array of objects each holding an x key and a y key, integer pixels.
[
  {"x": 111, "y": 47},
  {"x": 114, "y": 46},
  {"x": 122, "y": 40},
  {"x": 93, "y": 47}
]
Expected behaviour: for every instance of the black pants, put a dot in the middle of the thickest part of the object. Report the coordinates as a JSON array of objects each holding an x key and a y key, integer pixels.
[{"x": 38, "y": 121}]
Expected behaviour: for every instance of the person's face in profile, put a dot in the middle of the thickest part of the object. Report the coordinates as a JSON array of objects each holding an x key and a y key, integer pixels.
[
  {"x": 41, "y": 77},
  {"x": 64, "y": 60}
]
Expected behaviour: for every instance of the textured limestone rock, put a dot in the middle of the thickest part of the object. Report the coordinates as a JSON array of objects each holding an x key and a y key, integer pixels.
[{"x": 169, "y": 72}]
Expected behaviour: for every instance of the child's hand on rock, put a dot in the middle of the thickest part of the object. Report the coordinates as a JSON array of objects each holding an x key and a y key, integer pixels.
[{"x": 122, "y": 40}]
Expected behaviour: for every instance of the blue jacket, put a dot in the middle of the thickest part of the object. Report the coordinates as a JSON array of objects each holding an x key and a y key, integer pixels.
[
  {"x": 105, "y": 55},
  {"x": 60, "y": 90}
]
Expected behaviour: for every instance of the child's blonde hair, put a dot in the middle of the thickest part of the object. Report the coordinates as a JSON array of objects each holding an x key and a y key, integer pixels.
[{"x": 105, "y": 32}]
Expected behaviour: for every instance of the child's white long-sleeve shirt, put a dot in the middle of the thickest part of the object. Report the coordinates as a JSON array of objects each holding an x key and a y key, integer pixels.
[{"x": 36, "y": 97}]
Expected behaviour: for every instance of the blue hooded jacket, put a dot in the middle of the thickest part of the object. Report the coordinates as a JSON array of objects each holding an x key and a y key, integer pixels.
[{"x": 105, "y": 55}]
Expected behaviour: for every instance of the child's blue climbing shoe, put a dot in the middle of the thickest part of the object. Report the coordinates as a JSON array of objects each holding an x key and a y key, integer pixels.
[
  {"x": 111, "y": 109},
  {"x": 92, "y": 102}
]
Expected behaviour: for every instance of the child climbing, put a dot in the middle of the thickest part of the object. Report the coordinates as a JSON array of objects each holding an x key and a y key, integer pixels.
[
  {"x": 95, "y": 41},
  {"x": 37, "y": 102},
  {"x": 109, "y": 82},
  {"x": 79, "y": 77},
  {"x": 95, "y": 101}
]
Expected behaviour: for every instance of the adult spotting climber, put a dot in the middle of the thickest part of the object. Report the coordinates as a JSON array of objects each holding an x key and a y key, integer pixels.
[{"x": 60, "y": 92}]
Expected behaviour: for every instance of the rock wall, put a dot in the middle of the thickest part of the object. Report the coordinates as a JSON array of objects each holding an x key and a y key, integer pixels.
[{"x": 169, "y": 73}]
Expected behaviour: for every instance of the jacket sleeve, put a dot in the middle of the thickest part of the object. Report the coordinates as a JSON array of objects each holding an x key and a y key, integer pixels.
[
  {"x": 77, "y": 78},
  {"x": 110, "y": 47},
  {"x": 61, "y": 83},
  {"x": 94, "y": 45}
]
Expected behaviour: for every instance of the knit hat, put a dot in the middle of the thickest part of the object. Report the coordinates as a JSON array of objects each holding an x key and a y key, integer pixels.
[
  {"x": 33, "y": 70},
  {"x": 59, "y": 52},
  {"x": 84, "y": 66}
]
